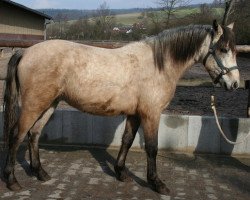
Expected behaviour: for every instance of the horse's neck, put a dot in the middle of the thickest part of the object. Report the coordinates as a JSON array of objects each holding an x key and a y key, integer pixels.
[{"x": 179, "y": 68}]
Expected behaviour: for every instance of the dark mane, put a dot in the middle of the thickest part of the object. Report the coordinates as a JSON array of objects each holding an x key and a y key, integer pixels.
[{"x": 181, "y": 43}]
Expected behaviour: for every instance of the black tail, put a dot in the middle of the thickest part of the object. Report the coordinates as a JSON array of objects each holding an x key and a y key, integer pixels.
[{"x": 10, "y": 105}]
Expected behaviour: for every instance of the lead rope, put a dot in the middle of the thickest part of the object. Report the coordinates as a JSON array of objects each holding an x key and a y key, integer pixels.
[{"x": 219, "y": 127}]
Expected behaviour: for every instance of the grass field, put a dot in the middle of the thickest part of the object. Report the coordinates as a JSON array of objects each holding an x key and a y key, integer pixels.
[
  {"x": 131, "y": 18},
  {"x": 128, "y": 19}
]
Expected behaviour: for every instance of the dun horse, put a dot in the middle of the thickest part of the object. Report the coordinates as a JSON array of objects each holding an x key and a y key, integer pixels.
[{"x": 137, "y": 80}]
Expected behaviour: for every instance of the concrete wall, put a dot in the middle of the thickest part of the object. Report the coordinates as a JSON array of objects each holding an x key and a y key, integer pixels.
[{"x": 178, "y": 133}]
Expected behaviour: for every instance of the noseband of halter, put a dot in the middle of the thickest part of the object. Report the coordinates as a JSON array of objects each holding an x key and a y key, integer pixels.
[{"x": 224, "y": 70}]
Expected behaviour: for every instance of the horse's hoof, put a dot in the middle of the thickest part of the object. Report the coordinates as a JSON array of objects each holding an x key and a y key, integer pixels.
[
  {"x": 14, "y": 186},
  {"x": 122, "y": 175},
  {"x": 159, "y": 186},
  {"x": 162, "y": 189},
  {"x": 43, "y": 176}
]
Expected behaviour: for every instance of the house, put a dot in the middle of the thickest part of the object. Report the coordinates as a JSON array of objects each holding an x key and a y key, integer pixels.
[{"x": 20, "y": 23}]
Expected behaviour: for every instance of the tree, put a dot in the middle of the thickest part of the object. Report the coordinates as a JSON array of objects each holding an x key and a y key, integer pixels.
[
  {"x": 155, "y": 22},
  {"x": 170, "y": 7},
  {"x": 241, "y": 17},
  {"x": 205, "y": 16},
  {"x": 229, "y": 4},
  {"x": 62, "y": 21},
  {"x": 104, "y": 21}
]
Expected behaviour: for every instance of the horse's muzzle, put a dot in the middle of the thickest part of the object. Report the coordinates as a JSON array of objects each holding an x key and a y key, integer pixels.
[{"x": 235, "y": 85}]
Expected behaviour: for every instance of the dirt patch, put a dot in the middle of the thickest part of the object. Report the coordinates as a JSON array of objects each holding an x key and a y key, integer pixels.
[{"x": 196, "y": 100}]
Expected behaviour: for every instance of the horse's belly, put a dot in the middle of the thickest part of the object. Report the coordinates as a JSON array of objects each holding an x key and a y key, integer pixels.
[
  {"x": 104, "y": 107},
  {"x": 101, "y": 110},
  {"x": 101, "y": 95}
]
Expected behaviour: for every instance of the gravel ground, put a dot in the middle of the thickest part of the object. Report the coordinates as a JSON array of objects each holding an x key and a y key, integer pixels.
[
  {"x": 78, "y": 173},
  {"x": 196, "y": 100}
]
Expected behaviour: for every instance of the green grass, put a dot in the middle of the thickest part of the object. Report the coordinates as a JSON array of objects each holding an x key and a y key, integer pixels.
[
  {"x": 131, "y": 18},
  {"x": 125, "y": 19},
  {"x": 186, "y": 11},
  {"x": 218, "y": 11},
  {"x": 128, "y": 19}
]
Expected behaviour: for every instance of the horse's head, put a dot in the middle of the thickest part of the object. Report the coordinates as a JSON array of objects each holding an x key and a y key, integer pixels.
[{"x": 220, "y": 61}]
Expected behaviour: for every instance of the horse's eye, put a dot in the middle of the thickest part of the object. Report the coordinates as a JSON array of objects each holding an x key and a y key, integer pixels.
[{"x": 224, "y": 50}]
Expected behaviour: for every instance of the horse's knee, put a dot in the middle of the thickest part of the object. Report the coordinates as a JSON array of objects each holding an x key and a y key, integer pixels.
[{"x": 132, "y": 125}]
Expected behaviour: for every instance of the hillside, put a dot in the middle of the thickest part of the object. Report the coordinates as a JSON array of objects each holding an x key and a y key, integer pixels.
[
  {"x": 77, "y": 14},
  {"x": 123, "y": 14},
  {"x": 124, "y": 24}
]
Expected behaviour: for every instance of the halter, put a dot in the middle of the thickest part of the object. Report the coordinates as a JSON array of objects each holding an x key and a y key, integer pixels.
[{"x": 224, "y": 70}]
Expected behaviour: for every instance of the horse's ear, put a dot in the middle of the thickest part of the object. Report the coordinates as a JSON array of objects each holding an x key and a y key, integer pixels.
[
  {"x": 217, "y": 28},
  {"x": 220, "y": 30},
  {"x": 215, "y": 25},
  {"x": 231, "y": 26}
]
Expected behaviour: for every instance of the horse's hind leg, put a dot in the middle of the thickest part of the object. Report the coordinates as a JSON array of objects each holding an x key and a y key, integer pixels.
[
  {"x": 34, "y": 135},
  {"x": 150, "y": 123},
  {"x": 25, "y": 122},
  {"x": 132, "y": 125}
]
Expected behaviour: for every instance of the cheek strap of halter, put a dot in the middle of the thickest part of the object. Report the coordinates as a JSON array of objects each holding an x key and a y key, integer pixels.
[{"x": 224, "y": 70}]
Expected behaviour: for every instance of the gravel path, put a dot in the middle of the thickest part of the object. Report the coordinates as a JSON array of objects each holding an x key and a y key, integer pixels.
[{"x": 78, "y": 173}]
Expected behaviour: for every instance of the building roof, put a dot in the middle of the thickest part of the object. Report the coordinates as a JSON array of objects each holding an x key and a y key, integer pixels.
[{"x": 27, "y": 9}]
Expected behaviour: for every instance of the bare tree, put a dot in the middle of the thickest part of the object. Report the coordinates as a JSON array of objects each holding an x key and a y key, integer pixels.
[
  {"x": 155, "y": 19},
  {"x": 241, "y": 17},
  {"x": 170, "y": 7},
  {"x": 61, "y": 20},
  {"x": 104, "y": 21},
  {"x": 205, "y": 10},
  {"x": 228, "y": 10}
]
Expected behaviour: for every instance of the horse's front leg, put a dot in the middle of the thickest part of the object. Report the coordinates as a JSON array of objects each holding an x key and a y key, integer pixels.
[
  {"x": 150, "y": 123},
  {"x": 132, "y": 125}
]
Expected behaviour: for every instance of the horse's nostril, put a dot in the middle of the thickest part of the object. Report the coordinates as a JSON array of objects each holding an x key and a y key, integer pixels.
[{"x": 235, "y": 85}]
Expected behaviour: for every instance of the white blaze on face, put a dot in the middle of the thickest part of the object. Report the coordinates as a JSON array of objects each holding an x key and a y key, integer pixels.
[
  {"x": 227, "y": 56},
  {"x": 230, "y": 61},
  {"x": 232, "y": 78}
]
